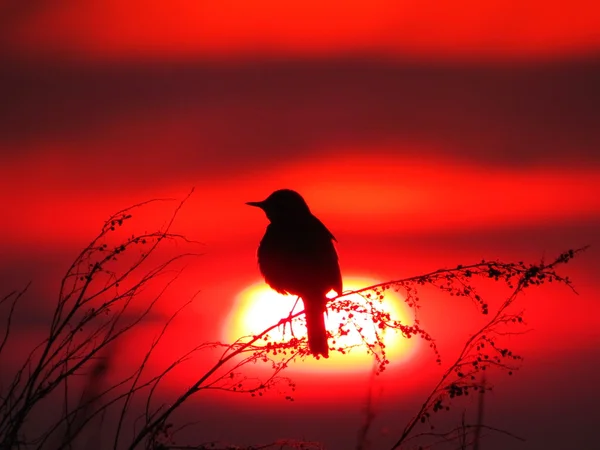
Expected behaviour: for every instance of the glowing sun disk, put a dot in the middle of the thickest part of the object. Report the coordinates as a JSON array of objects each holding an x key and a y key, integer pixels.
[{"x": 258, "y": 307}]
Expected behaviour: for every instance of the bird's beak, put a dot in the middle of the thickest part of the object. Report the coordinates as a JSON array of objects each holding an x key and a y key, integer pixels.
[{"x": 257, "y": 204}]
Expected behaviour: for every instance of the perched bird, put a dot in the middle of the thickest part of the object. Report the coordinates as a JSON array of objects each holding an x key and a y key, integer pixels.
[{"x": 297, "y": 256}]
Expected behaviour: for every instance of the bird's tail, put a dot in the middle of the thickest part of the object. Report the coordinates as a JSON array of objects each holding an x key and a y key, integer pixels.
[{"x": 315, "y": 307}]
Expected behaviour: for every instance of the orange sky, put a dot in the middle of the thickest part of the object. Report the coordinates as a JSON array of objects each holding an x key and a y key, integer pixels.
[{"x": 424, "y": 134}]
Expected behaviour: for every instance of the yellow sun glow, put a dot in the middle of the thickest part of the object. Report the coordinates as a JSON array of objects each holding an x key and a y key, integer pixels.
[{"x": 259, "y": 307}]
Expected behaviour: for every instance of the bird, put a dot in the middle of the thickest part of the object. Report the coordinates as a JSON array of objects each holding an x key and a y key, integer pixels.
[{"x": 297, "y": 256}]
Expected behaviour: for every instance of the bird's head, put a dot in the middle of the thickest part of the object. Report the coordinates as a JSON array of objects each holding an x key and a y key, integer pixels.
[{"x": 283, "y": 204}]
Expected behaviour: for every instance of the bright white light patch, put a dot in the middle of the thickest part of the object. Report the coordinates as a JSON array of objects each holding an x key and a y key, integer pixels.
[{"x": 259, "y": 307}]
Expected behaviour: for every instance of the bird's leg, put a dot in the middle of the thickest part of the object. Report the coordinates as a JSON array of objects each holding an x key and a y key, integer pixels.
[{"x": 289, "y": 318}]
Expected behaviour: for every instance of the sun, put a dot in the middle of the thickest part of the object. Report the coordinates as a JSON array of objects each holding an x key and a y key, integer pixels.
[{"x": 258, "y": 307}]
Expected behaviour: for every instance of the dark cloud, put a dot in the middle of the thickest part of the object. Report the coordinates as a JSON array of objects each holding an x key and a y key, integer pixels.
[{"x": 199, "y": 117}]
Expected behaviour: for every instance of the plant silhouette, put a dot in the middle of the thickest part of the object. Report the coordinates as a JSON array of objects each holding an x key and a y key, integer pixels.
[{"x": 94, "y": 312}]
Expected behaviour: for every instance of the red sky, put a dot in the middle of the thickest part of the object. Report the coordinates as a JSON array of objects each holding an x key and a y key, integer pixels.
[
  {"x": 422, "y": 135},
  {"x": 466, "y": 28}
]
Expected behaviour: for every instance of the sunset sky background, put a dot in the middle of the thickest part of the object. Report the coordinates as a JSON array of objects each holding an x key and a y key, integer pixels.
[{"x": 423, "y": 135}]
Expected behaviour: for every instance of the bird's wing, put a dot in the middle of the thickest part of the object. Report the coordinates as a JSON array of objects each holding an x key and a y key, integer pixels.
[
  {"x": 328, "y": 258},
  {"x": 300, "y": 258}
]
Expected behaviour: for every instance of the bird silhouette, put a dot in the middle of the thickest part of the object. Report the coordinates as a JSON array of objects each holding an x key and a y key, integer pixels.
[{"x": 297, "y": 256}]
